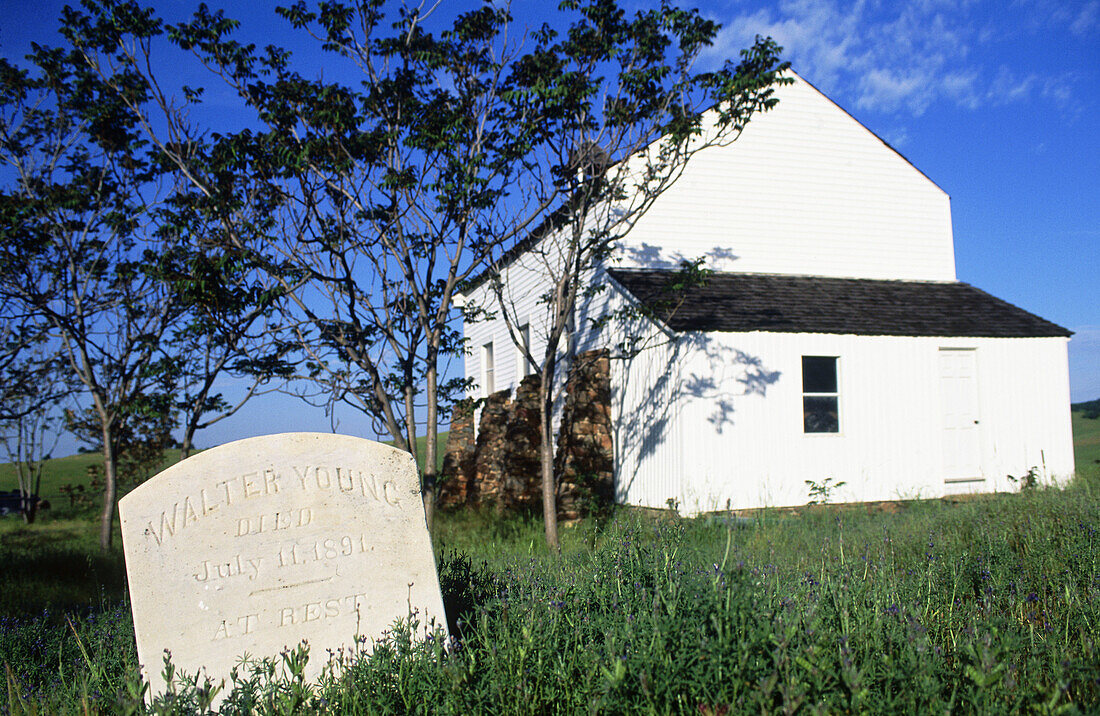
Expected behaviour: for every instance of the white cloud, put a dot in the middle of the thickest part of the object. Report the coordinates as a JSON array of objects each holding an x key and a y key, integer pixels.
[
  {"x": 1057, "y": 88},
  {"x": 1087, "y": 20},
  {"x": 888, "y": 90},
  {"x": 1006, "y": 87},
  {"x": 897, "y": 137},
  {"x": 820, "y": 35},
  {"x": 963, "y": 88},
  {"x": 903, "y": 57},
  {"x": 1080, "y": 18}
]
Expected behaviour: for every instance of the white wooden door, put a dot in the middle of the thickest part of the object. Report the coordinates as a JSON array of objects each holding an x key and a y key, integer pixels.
[{"x": 961, "y": 422}]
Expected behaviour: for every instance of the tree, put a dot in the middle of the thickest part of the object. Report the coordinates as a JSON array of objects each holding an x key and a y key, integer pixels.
[
  {"x": 33, "y": 382},
  {"x": 412, "y": 179},
  {"x": 229, "y": 326},
  {"x": 624, "y": 112},
  {"x": 77, "y": 255},
  {"x": 220, "y": 217},
  {"x": 389, "y": 195},
  {"x": 419, "y": 157}
]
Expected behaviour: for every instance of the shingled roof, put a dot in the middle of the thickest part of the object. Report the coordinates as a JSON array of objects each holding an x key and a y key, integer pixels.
[{"x": 741, "y": 302}]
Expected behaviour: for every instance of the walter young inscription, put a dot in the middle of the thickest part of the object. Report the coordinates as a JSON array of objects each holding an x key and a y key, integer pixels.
[
  {"x": 248, "y": 491},
  {"x": 254, "y": 546}
]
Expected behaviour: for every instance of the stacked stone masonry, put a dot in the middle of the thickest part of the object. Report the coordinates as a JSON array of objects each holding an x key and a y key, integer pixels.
[
  {"x": 501, "y": 469},
  {"x": 458, "y": 456}
]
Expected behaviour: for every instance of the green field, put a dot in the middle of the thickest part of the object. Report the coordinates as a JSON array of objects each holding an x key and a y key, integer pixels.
[
  {"x": 1086, "y": 440},
  {"x": 985, "y": 606},
  {"x": 72, "y": 470}
]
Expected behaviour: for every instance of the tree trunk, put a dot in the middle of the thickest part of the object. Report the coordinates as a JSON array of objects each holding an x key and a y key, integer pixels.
[
  {"x": 428, "y": 487},
  {"x": 188, "y": 442},
  {"x": 110, "y": 465},
  {"x": 549, "y": 488},
  {"x": 186, "y": 446},
  {"x": 410, "y": 420},
  {"x": 30, "y": 482},
  {"x": 28, "y": 506}
]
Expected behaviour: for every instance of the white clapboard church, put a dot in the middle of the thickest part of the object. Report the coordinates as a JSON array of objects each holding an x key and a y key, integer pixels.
[{"x": 832, "y": 343}]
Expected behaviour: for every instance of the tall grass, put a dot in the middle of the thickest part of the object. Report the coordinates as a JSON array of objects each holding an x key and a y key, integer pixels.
[{"x": 987, "y": 606}]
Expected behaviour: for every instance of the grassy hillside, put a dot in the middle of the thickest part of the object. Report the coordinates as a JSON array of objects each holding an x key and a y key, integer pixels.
[
  {"x": 63, "y": 470},
  {"x": 74, "y": 471},
  {"x": 985, "y": 606},
  {"x": 1086, "y": 434}
]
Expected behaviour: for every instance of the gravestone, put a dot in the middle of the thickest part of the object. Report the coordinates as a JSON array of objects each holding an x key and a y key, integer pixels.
[{"x": 257, "y": 545}]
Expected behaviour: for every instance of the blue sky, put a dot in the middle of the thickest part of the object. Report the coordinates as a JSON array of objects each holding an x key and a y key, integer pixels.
[{"x": 995, "y": 100}]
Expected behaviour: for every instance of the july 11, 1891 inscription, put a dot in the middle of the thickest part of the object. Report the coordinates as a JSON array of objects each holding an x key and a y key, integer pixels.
[{"x": 259, "y": 544}]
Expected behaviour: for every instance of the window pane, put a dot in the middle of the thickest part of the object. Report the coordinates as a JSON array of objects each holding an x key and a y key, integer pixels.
[
  {"x": 820, "y": 414},
  {"x": 818, "y": 374},
  {"x": 488, "y": 368}
]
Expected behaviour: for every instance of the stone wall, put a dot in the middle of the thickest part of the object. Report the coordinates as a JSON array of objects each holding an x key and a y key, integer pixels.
[
  {"x": 584, "y": 463},
  {"x": 458, "y": 456},
  {"x": 502, "y": 470},
  {"x": 522, "y": 445},
  {"x": 487, "y": 477}
]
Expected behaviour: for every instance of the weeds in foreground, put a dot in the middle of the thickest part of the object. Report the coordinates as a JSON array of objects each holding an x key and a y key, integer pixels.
[{"x": 989, "y": 606}]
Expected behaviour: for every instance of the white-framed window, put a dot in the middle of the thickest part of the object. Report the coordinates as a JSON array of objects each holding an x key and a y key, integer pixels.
[
  {"x": 820, "y": 394},
  {"x": 523, "y": 366},
  {"x": 488, "y": 369}
]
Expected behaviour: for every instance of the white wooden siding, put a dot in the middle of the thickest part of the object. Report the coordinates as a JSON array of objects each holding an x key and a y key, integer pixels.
[
  {"x": 741, "y": 419},
  {"x": 524, "y": 285},
  {"x": 522, "y": 289},
  {"x": 647, "y": 420},
  {"x": 716, "y": 419},
  {"x": 805, "y": 190}
]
